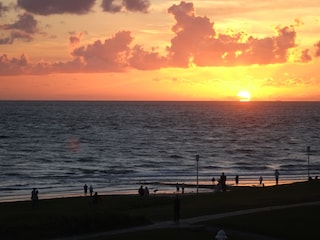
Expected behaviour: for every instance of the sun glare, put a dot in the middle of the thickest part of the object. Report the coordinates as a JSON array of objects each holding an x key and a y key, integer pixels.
[{"x": 244, "y": 96}]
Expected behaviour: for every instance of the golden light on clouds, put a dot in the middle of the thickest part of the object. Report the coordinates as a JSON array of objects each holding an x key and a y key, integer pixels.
[{"x": 159, "y": 50}]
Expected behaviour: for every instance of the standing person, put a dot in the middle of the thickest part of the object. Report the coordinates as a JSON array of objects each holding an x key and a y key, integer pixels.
[
  {"x": 34, "y": 197},
  {"x": 141, "y": 191},
  {"x": 176, "y": 208},
  {"x": 85, "y": 189},
  {"x": 276, "y": 175},
  {"x": 223, "y": 180},
  {"x": 260, "y": 180},
  {"x": 237, "y": 180},
  {"x": 91, "y": 190}
]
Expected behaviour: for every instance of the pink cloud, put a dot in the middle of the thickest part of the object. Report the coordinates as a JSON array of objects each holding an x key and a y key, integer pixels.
[
  {"x": 317, "y": 46},
  {"x": 195, "y": 41},
  {"x": 13, "y": 66},
  {"x": 305, "y": 56},
  {"x": 144, "y": 60},
  {"x": 110, "y": 55}
]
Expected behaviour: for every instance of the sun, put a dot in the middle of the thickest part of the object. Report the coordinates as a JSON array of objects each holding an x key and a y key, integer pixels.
[{"x": 244, "y": 96}]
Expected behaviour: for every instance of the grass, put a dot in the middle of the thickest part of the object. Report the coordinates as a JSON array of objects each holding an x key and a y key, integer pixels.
[{"x": 74, "y": 216}]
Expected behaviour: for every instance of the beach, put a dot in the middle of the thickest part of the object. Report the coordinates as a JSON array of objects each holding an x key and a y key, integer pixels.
[
  {"x": 156, "y": 188},
  {"x": 81, "y": 216}
]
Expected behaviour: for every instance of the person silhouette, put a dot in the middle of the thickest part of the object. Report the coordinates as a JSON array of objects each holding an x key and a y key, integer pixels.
[
  {"x": 276, "y": 174},
  {"x": 223, "y": 179},
  {"x": 85, "y": 189},
  {"x": 237, "y": 179},
  {"x": 260, "y": 180},
  {"x": 91, "y": 190},
  {"x": 34, "y": 197}
]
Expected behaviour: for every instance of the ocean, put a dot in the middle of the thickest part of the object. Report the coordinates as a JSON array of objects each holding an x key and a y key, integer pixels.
[{"x": 58, "y": 146}]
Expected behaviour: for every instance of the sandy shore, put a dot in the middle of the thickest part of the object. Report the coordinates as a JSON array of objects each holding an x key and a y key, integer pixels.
[{"x": 155, "y": 188}]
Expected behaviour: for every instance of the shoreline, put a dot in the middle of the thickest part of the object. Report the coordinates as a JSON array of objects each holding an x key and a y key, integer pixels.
[{"x": 155, "y": 188}]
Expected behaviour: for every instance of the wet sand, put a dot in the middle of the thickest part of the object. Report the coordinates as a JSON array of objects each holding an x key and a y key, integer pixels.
[{"x": 156, "y": 188}]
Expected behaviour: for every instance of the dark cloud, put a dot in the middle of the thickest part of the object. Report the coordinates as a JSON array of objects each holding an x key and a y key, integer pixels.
[
  {"x": 26, "y": 23},
  {"x": 110, "y": 6},
  {"x": 114, "y": 6},
  {"x": 47, "y": 7},
  {"x": 22, "y": 29},
  {"x": 137, "y": 5}
]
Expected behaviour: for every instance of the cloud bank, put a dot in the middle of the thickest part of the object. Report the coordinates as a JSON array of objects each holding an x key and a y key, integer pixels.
[{"x": 195, "y": 42}]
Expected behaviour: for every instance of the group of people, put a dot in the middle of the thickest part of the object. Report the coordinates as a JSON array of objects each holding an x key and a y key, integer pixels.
[
  {"x": 94, "y": 195},
  {"x": 222, "y": 180},
  {"x": 85, "y": 190},
  {"x": 143, "y": 191}
]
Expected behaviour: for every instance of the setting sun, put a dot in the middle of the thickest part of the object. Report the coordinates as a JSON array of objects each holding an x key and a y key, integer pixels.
[{"x": 244, "y": 96}]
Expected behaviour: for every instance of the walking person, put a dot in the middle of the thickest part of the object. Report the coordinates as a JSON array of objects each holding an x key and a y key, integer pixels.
[{"x": 260, "y": 180}]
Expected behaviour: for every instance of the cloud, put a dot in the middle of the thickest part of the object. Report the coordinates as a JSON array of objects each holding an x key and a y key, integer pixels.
[
  {"x": 317, "y": 46},
  {"x": 26, "y": 23},
  {"x": 144, "y": 60},
  {"x": 137, "y": 5},
  {"x": 48, "y": 7},
  {"x": 110, "y": 55},
  {"x": 109, "y": 6},
  {"x": 305, "y": 56},
  {"x": 3, "y": 9},
  {"x": 197, "y": 42},
  {"x": 13, "y": 66},
  {"x": 114, "y": 6},
  {"x": 22, "y": 29},
  {"x": 75, "y": 39}
]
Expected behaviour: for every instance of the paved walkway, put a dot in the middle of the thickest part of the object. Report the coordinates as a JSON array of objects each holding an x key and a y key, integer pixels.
[{"x": 188, "y": 222}]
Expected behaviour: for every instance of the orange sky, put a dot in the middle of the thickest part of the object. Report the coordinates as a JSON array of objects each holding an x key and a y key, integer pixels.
[{"x": 159, "y": 50}]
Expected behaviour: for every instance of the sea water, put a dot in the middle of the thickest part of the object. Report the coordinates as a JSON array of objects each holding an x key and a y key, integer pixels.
[{"x": 58, "y": 147}]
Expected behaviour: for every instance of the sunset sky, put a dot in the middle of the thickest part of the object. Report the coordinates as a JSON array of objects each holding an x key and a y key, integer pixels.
[{"x": 159, "y": 50}]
